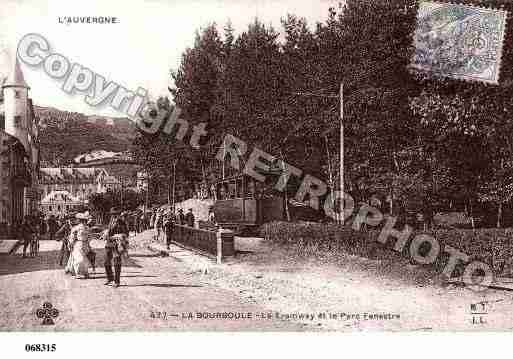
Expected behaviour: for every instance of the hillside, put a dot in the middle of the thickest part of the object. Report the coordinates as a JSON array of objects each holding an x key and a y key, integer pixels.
[{"x": 65, "y": 135}]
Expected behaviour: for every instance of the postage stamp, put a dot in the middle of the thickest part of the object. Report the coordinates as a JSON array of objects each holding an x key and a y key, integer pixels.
[{"x": 459, "y": 41}]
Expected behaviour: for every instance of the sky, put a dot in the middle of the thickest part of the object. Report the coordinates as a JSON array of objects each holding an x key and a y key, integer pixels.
[{"x": 141, "y": 49}]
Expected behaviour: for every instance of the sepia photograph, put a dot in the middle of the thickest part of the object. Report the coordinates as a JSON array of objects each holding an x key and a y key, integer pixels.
[{"x": 309, "y": 166}]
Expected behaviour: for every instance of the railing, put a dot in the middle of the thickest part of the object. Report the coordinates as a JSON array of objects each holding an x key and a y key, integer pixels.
[
  {"x": 4, "y": 230},
  {"x": 218, "y": 243}
]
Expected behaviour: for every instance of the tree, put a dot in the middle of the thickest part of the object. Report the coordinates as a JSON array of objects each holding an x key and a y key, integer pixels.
[
  {"x": 124, "y": 199},
  {"x": 421, "y": 142},
  {"x": 100, "y": 204}
]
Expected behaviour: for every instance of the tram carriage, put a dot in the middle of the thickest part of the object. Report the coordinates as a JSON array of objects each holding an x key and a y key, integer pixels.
[{"x": 243, "y": 203}]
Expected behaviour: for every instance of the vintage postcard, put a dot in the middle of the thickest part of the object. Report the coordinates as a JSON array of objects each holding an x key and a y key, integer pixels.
[{"x": 256, "y": 166}]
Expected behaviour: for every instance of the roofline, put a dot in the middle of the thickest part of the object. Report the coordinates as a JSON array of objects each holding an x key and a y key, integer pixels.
[
  {"x": 83, "y": 168},
  {"x": 12, "y": 85},
  {"x": 15, "y": 141}
]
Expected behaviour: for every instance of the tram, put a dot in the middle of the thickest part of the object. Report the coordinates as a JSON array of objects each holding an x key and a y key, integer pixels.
[{"x": 243, "y": 203}]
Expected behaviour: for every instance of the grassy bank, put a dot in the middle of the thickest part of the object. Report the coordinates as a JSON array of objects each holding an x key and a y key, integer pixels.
[{"x": 492, "y": 246}]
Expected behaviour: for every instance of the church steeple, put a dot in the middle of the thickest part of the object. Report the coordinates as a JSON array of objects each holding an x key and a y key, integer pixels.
[
  {"x": 15, "y": 90},
  {"x": 15, "y": 77}
]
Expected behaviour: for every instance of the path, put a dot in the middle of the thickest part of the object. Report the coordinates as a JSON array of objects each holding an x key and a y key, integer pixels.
[
  {"x": 291, "y": 292},
  {"x": 150, "y": 285}
]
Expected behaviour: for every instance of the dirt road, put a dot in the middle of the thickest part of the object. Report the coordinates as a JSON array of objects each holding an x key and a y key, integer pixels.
[
  {"x": 152, "y": 292},
  {"x": 261, "y": 288}
]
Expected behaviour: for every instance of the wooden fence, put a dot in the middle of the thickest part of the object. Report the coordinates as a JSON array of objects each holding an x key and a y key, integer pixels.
[{"x": 219, "y": 243}]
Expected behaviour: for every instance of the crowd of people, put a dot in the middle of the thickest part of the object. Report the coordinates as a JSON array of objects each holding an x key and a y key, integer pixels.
[
  {"x": 137, "y": 221},
  {"x": 34, "y": 228},
  {"x": 75, "y": 232},
  {"x": 29, "y": 233},
  {"x": 164, "y": 223}
]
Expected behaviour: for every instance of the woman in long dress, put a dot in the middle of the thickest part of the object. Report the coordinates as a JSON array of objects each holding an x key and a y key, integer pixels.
[{"x": 78, "y": 263}]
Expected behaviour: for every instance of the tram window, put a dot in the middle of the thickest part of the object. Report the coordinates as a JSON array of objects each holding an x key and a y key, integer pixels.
[
  {"x": 231, "y": 189},
  {"x": 259, "y": 190},
  {"x": 221, "y": 191},
  {"x": 239, "y": 189},
  {"x": 250, "y": 188},
  {"x": 256, "y": 186}
]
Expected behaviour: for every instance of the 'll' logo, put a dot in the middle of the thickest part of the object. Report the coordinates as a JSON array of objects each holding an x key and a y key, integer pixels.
[{"x": 47, "y": 313}]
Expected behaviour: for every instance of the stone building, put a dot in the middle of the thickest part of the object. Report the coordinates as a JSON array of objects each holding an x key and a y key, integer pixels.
[
  {"x": 80, "y": 183},
  {"x": 19, "y": 148},
  {"x": 60, "y": 203}
]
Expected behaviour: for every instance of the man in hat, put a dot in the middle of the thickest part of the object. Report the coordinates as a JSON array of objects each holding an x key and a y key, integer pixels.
[
  {"x": 159, "y": 223},
  {"x": 53, "y": 226},
  {"x": 181, "y": 217},
  {"x": 63, "y": 233},
  {"x": 211, "y": 215},
  {"x": 169, "y": 227},
  {"x": 124, "y": 216},
  {"x": 137, "y": 223},
  {"x": 27, "y": 233},
  {"x": 34, "y": 243},
  {"x": 114, "y": 249},
  {"x": 189, "y": 218}
]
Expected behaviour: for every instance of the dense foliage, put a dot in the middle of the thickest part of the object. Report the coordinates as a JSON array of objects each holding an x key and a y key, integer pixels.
[
  {"x": 415, "y": 142},
  {"x": 101, "y": 203},
  {"x": 65, "y": 135}
]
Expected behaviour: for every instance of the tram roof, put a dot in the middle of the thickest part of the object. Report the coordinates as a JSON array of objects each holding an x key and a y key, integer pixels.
[{"x": 272, "y": 172}]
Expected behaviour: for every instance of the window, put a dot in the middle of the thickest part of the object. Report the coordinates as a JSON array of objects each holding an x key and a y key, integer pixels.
[
  {"x": 232, "y": 189},
  {"x": 17, "y": 121},
  {"x": 250, "y": 185},
  {"x": 17, "y": 94},
  {"x": 2, "y": 122},
  {"x": 50, "y": 208},
  {"x": 239, "y": 189}
]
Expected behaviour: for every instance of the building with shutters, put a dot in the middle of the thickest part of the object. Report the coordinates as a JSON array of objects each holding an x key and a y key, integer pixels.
[
  {"x": 80, "y": 183},
  {"x": 60, "y": 204}
]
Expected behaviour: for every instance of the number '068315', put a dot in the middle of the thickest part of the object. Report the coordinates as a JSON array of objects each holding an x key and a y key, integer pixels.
[{"x": 40, "y": 347}]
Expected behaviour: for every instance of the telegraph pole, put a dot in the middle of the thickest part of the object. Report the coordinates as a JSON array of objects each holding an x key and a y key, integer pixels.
[
  {"x": 122, "y": 190},
  {"x": 224, "y": 156},
  {"x": 330, "y": 171},
  {"x": 146, "y": 200},
  {"x": 174, "y": 183},
  {"x": 341, "y": 154},
  {"x": 340, "y": 96},
  {"x": 169, "y": 190}
]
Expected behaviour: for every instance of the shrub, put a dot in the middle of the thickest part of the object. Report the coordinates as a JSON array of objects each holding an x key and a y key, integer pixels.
[
  {"x": 492, "y": 246},
  {"x": 324, "y": 237}
]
